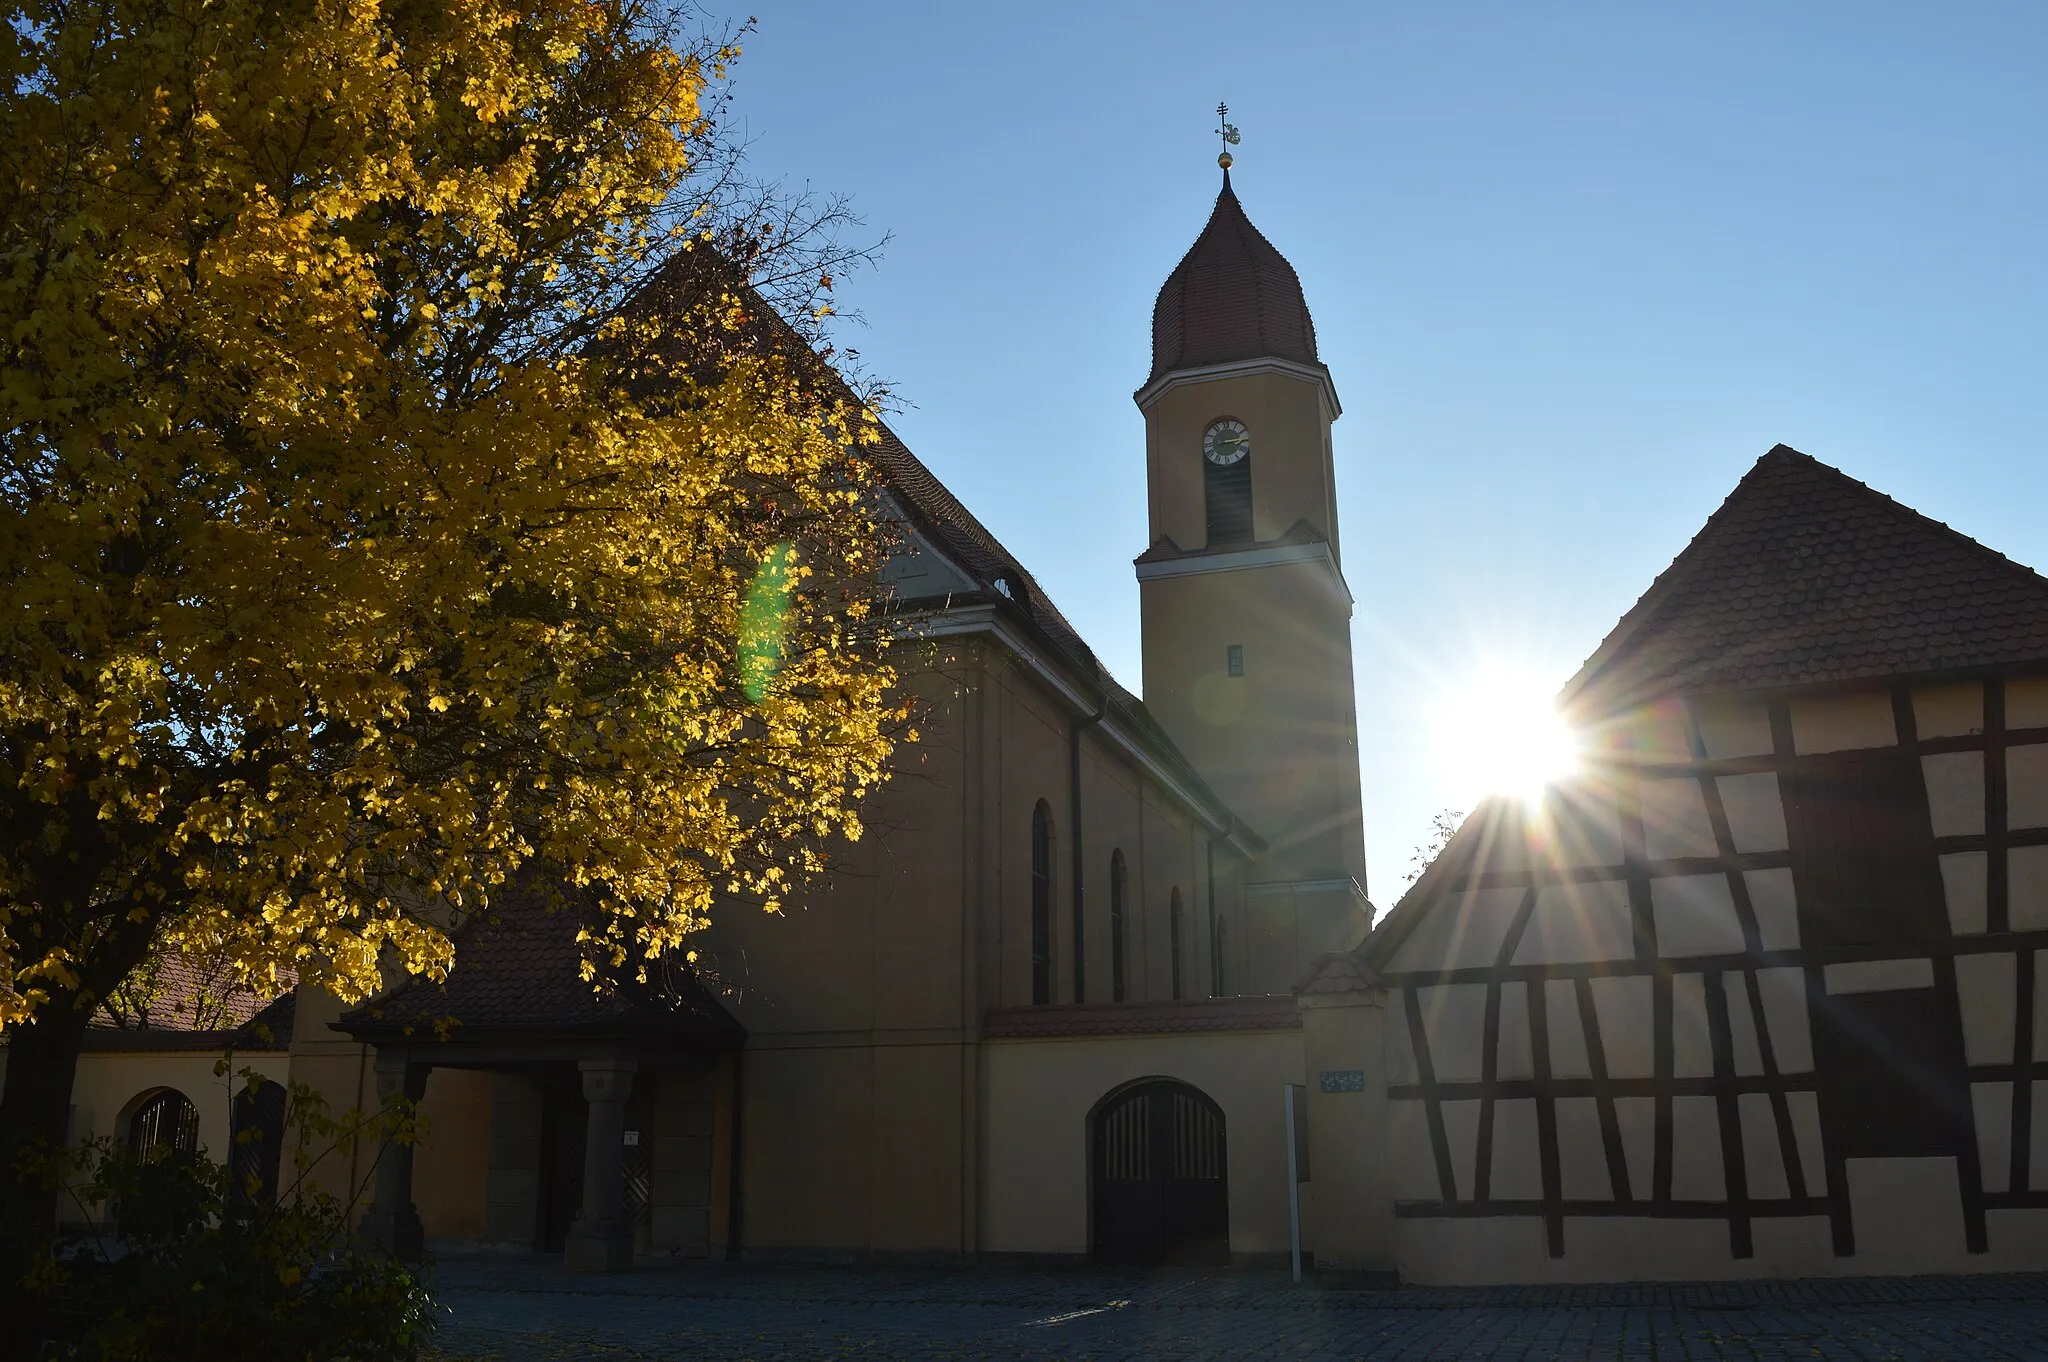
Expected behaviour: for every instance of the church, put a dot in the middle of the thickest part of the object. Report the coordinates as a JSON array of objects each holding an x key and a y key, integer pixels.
[{"x": 1755, "y": 994}]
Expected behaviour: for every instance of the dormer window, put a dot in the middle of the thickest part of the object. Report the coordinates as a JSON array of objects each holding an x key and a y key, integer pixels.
[{"x": 1002, "y": 586}]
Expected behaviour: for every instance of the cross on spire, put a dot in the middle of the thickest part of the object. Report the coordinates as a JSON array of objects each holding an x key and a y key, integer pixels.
[{"x": 1226, "y": 130}]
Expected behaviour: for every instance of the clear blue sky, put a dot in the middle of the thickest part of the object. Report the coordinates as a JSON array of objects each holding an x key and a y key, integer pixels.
[{"x": 1573, "y": 266}]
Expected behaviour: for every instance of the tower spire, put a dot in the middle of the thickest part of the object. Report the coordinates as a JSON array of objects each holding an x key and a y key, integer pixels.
[{"x": 1226, "y": 130}]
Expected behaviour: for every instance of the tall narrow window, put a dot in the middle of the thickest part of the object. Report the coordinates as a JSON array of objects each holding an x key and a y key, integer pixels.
[
  {"x": 1041, "y": 904},
  {"x": 1219, "y": 979},
  {"x": 1233, "y": 659},
  {"x": 1116, "y": 926},
  {"x": 1173, "y": 935}
]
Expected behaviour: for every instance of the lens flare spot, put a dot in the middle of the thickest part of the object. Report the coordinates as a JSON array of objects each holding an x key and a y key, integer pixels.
[
  {"x": 1500, "y": 734},
  {"x": 764, "y": 616}
]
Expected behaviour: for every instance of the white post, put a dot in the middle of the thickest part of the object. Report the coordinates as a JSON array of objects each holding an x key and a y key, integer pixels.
[{"x": 1293, "y": 1181}]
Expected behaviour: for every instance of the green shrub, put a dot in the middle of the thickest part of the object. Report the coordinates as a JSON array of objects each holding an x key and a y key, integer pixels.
[{"x": 196, "y": 1268}]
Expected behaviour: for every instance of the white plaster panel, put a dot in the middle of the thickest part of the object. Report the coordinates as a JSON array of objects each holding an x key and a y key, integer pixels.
[
  {"x": 1878, "y": 976},
  {"x": 1813, "y": 1162},
  {"x": 1986, "y": 992},
  {"x": 1908, "y": 1215},
  {"x": 1675, "y": 820},
  {"x": 1462, "y": 1250},
  {"x": 1574, "y": 923},
  {"x": 1580, "y": 826},
  {"x": 1581, "y": 1151},
  {"x": 1963, "y": 891},
  {"x": 1637, "y": 1117},
  {"x": 2041, "y": 1004},
  {"x": 1514, "y": 1059},
  {"x": 1843, "y": 723},
  {"x": 1955, "y": 792},
  {"x": 1763, "y": 1158},
  {"x": 1653, "y": 733},
  {"x": 1748, "y": 1055},
  {"x": 1461, "y": 1132},
  {"x": 2018, "y": 1238},
  {"x": 1948, "y": 711},
  {"x": 1454, "y": 1026},
  {"x": 1785, "y": 1014},
  {"x": 1517, "y": 1156},
  {"x": 1991, "y": 1110},
  {"x": 1695, "y": 915},
  {"x": 1461, "y": 931},
  {"x": 2037, "y": 1135},
  {"x": 1692, "y": 1044},
  {"x": 1696, "y": 1171},
  {"x": 2026, "y": 703},
  {"x": 1397, "y": 1045},
  {"x": 2026, "y": 786},
  {"x": 1776, "y": 906},
  {"x": 1567, "y": 1033},
  {"x": 1411, "y": 1167},
  {"x": 2026, "y": 888},
  {"x": 1733, "y": 728},
  {"x": 1756, "y": 811},
  {"x": 1621, "y": 1003},
  {"x": 1790, "y": 1246}
]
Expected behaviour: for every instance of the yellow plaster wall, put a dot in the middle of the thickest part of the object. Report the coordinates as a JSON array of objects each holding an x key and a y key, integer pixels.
[{"x": 1037, "y": 1098}]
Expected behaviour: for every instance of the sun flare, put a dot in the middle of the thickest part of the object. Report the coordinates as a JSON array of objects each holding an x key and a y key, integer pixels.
[{"x": 1500, "y": 734}]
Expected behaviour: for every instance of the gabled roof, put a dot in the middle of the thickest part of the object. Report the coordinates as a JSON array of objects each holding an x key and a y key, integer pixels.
[
  {"x": 516, "y": 970},
  {"x": 1232, "y": 297},
  {"x": 1806, "y": 576}
]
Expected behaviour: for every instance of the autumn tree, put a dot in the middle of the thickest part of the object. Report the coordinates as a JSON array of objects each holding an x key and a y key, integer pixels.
[{"x": 402, "y": 482}]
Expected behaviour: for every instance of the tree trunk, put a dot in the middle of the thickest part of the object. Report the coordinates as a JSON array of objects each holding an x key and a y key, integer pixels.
[{"x": 35, "y": 1111}]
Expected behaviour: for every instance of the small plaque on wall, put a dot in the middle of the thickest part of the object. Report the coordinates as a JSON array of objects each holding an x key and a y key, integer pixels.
[{"x": 1343, "y": 1080}]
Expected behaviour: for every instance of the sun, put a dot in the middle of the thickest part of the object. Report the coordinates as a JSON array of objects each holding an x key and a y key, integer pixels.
[{"x": 1500, "y": 734}]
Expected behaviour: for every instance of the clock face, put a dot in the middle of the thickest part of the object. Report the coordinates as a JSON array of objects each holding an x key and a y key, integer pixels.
[{"x": 1226, "y": 442}]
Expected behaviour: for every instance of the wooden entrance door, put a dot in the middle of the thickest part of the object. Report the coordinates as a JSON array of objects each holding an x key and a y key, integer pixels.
[{"x": 1161, "y": 1177}]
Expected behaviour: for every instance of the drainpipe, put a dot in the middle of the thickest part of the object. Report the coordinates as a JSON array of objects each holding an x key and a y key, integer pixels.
[{"x": 1074, "y": 767}]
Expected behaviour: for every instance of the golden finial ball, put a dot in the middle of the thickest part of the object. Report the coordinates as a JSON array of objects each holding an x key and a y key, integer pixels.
[{"x": 1224, "y": 160}]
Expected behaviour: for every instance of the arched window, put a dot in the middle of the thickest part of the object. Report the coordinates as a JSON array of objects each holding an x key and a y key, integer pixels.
[
  {"x": 1173, "y": 934},
  {"x": 1116, "y": 926},
  {"x": 1041, "y": 904},
  {"x": 167, "y": 1120},
  {"x": 1220, "y": 980},
  {"x": 1227, "y": 496}
]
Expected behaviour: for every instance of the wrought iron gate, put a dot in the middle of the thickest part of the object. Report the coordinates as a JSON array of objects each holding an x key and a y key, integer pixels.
[{"x": 1161, "y": 1177}]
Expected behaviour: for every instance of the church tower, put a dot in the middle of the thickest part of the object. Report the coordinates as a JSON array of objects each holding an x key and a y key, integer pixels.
[{"x": 1247, "y": 641}]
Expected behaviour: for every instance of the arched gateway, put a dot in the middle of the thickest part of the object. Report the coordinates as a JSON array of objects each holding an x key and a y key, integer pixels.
[{"x": 1160, "y": 1171}]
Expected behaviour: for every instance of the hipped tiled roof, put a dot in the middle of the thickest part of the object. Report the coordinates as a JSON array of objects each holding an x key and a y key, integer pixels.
[
  {"x": 517, "y": 969},
  {"x": 1806, "y": 576},
  {"x": 1232, "y": 297}
]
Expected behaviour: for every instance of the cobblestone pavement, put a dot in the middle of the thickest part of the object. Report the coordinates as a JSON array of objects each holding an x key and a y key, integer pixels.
[{"x": 514, "y": 1310}]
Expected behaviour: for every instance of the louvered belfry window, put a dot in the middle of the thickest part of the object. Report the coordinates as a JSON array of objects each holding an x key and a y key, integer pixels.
[{"x": 1227, "y": 493}]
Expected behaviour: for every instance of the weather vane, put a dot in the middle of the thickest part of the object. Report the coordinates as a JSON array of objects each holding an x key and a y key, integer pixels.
[{"x": 1228, "y": 132}]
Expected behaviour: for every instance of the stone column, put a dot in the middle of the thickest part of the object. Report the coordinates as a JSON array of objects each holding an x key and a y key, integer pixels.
[
  {"x": 601, "y": 1240},
  {"x": 1351, "y": 1208},
  {"x": 393, "y": 1222}
]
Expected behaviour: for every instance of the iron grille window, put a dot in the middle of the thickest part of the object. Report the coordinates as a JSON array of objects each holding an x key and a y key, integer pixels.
[
  {"x": 166, "y": 1121},
  {"x": 1041, "y": 904}
]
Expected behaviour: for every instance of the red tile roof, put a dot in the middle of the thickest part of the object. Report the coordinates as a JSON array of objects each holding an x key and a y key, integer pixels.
[
  {"x": 1263, "y": 1012},
  {"x": 1805, "y": 576},
  {"x": 1232, "y": 297},
  {"x": 519, "y": 970}
]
